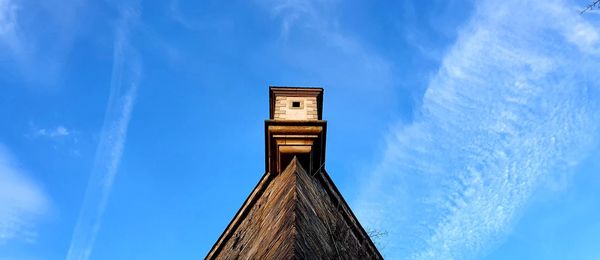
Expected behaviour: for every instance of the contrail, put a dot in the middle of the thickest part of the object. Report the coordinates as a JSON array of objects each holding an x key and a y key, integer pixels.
[{"x": 124, "y": 83}]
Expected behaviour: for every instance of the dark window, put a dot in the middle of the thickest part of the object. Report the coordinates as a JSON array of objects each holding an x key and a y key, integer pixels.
[{"x": 296, "y": 104}]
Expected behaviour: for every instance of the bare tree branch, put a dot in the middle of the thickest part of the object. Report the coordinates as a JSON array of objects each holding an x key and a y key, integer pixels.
[
  {"x": 592, "y": 5},
  {"x": 378, "y": 236}
]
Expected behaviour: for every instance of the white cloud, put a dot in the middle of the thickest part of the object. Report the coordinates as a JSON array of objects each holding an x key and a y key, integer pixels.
[
  {"x": 59, "y": 131},
  {"x": 8, "y": 23},
  {"x": 513, "y": 103},
  {"x": 298, "y": 13},
  {"x": 175, "y": 13},
  {"x": 125, "y": 79},
  {"x": 22, "y": 201},
  {"x": 333, "y": 56},
  {"x": 35, "y": 36}
]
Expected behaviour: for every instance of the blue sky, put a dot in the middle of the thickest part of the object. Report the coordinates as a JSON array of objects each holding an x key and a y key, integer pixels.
[{"x": 464, "y": 129}]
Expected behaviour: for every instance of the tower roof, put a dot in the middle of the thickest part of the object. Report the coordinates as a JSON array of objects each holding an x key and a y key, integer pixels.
[{"x": 295, "y": 215}]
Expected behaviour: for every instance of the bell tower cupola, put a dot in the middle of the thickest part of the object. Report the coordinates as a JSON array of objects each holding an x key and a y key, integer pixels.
[{"x": 295, "y": 128}]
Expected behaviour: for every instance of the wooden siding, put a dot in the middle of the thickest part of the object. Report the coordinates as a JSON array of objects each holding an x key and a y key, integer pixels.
[
  {"x": 267, "y": 231},
  {"x": 297, "y": 216},
  {"x": 323, "y": 232}
]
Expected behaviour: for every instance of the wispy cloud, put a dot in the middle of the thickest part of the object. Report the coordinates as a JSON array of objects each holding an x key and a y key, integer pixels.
[
  {"x": 8, "y": 23},
  {"x": 58, "y": 131},
  {"x": 425, "y": 26},
  {"x": 22, "y": 201},
  {"x": 513, "y": 103},
  {"x": 34, "y": 37},
  {"x": 125, "y": 79},
  {"x": 175, "y": 13},
  {"x": 339, "y": 57},
  {"x": 299, "y": 13}
]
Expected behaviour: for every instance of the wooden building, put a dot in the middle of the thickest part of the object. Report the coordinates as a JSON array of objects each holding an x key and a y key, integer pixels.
[{"x": 295, "y": 211}]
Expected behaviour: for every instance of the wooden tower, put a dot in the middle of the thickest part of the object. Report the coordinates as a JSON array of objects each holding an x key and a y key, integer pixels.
[{"x": 295, "y": 211}]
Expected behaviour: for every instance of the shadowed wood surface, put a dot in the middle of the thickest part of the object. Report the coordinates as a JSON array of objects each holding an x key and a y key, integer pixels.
[
  {"x": 323, "y": 232},
  {"x": 267, "y": 231},
  {"x": 297, "y": 216}
]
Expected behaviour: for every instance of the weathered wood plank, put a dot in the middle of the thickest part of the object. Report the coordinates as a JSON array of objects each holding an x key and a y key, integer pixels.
[{"x": 296, "y": 218}]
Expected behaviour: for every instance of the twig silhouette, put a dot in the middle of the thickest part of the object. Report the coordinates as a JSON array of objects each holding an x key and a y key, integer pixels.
[{"x": 592, "y": 5}]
